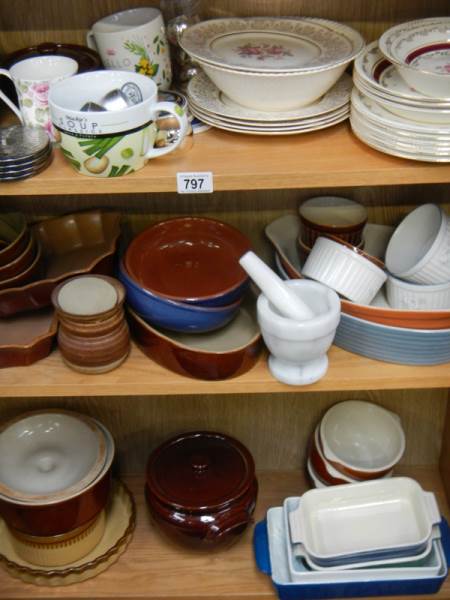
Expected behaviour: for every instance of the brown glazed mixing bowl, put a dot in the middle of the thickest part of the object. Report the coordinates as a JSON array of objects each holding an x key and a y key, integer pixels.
[{"x": 201, "y": 489}]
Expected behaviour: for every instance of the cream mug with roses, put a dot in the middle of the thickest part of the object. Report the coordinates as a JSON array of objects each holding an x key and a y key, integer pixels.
[
  {"x": 134, "y": 40},
  {"x": 32, "y": 78}
]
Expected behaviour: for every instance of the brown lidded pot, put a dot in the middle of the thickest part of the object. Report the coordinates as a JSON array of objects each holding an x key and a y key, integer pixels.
[
  {"x": 201, "y": 488},
  {"x": 55, "y": 513},
  {"x": 93, "y": 334}
]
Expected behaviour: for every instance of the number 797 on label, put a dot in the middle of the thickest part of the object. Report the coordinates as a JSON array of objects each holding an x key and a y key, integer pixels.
[{"x": 195, "y": 183}]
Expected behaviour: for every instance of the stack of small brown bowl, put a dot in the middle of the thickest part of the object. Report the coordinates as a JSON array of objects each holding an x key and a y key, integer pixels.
[
  {"x": 355, "y": 441},
  {"x": 93, "y": 335},
  {"x": 330, "y": 215},
  {"x": 20, "y": 255},
  {"x": 55, "y": 478}
]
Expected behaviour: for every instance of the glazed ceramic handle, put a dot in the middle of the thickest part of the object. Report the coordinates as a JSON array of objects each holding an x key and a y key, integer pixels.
[
  {"x": 90, "y": 40},
  {"x": 432, "y": 507},
  {"x": 6, "y": 100},
  {"x": 225, "y": 525},
  {"x": 180, "y": 115}
]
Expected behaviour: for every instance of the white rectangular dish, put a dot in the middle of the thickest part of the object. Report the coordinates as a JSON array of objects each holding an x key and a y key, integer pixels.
[
  {"x": 427, "y": 564},
  {"x": 371, "y": 520}
]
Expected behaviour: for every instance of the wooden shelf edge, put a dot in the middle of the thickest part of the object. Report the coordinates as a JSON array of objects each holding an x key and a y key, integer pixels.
[
  {"x": 328, "y": 158},
  {"x": 140, "y": 376},
  {"x": 156, "y": 569}
]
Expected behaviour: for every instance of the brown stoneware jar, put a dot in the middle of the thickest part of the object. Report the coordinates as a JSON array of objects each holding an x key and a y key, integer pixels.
[
  {"x": 201, "y": 489},
  {"x": 93, "y": 334}
]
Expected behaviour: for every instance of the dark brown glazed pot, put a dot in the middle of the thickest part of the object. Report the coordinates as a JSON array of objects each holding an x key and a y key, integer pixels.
[
  {"x": 61, "y": 517},
  {"x": 201, "y": 489},
  {"x": 189, "y": 259},
  {"x": 166, "y": 349}
]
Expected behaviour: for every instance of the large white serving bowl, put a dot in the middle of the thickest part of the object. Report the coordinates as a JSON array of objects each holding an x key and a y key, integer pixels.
[
  {"x": 421, "y": 51},
  {"x": 272, "y": 63},
  {"x": 273, "y": 91}
]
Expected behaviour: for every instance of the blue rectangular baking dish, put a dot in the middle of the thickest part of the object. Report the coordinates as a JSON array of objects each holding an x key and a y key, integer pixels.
[{"x": 288, "y": 590}]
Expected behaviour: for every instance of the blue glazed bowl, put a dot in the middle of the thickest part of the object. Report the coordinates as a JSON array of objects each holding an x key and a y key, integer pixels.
[{"x": 176, "y": 316}]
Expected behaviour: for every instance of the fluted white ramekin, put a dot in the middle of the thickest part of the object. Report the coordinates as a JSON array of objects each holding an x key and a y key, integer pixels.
[
  {"x": 414, "y": 296},
  {"x": 419, "y": 249},
  {"x": 345, "y": 270}
]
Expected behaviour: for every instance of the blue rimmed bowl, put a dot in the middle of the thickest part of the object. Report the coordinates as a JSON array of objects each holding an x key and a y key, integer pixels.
[{"x": 176, "y": 316}]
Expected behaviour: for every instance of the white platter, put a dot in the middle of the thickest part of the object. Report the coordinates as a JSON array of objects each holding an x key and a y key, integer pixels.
[{"x": 272, "y": 44}]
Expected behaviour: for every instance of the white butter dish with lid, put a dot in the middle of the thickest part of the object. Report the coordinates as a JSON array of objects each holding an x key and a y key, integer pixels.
[{"x": 375, "y": 519}]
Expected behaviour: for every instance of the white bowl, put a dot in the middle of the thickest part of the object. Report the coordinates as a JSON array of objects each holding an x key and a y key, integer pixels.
[
  {"x": 420, "y": 50},
  {"x": 361, "y": 439},
  {"x": 273, "y": 91},
  {"x": 413, "y": 296},
  {"x": 345, "y": 270},
  {"x": 419, "y": 249}
]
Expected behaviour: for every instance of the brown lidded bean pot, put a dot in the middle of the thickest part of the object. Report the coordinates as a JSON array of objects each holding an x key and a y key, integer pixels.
[
  {"x": 201, "y": 489},
  {"x": 93, "y": 334}
]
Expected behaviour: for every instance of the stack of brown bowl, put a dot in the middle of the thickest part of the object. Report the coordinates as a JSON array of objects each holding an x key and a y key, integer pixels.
[
  {"x": 55, "y": 479},
  {"x": 20, "y": 255},
  {"x": 355, "y": 441},
  {"x": 330, "y": 215},
  {"x": 93, "y": 334}
]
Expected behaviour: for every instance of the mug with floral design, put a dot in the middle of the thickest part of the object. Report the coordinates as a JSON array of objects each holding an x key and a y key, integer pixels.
[
  {"x": 32, "y": 78},
  {"x": 134, "y": 40}
]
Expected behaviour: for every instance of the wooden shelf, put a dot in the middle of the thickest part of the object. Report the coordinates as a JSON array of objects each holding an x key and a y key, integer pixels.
[
  {"x": 328, "y": 158},
  {"x": 141, "y": 376},
  {"x": 156, "y": 569}
]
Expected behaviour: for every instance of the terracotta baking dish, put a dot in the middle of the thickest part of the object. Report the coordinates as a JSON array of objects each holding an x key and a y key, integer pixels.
[
  {"x": 83, "y": 242},
  {"x": 26, "y": 338}
]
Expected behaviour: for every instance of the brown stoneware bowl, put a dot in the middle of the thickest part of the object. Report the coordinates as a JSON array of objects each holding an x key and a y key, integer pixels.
[
  {"x": 319, "y": 464},
  {"x": 334, "y": 216},
  {"x": 21, "y": 263},
  {"x": 14, "y": 235},
  {"x": 50, "y": 513},
  {"x": 226, "y": 352},
  {"x": 27, "y": 338},
  {"x": 201, "y": 489},
  {"x": 30, "y": 274},
  {"x": 79, "y": 243},
  {"x": 189, "y": 259},
  {"x": 93, "y": 334}
]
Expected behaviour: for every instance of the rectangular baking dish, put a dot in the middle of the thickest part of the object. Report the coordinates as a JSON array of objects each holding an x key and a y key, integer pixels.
[{"x": 373, "y": 520}]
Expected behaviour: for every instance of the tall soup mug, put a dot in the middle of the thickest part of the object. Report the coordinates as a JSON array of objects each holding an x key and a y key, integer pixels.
[
  {"x": 134, "y": 40},
  {"x": 110, "y": 143},
  {"x": 32, "y": 78}
]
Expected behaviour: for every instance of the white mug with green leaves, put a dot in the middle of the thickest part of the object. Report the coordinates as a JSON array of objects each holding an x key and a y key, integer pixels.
[
  {"x": 110, "y": 143},
  {"x": 134, "y": 40}
]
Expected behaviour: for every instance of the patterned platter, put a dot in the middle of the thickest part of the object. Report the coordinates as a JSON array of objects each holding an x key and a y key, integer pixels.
[{"x": 269, "y": 44}]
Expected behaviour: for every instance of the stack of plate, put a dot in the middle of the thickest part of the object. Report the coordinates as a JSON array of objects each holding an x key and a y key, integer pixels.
[
  {"x": 271, "y": 75},
  {"x": 215, "y": 108},
  {"x": 375, "y": 538},
  {"x": 24, "y": 152},
  {"x": 390, "y": 115}
]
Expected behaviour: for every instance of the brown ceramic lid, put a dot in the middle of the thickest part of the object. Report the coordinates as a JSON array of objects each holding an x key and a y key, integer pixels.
[
  {"x": 87, "y": 59},
  {"x": 199, "y": 471}
]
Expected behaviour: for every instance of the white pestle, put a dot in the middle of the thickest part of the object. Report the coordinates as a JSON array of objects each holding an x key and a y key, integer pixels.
[{"x": 279, "y": 294}]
